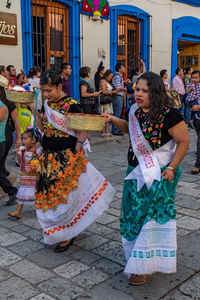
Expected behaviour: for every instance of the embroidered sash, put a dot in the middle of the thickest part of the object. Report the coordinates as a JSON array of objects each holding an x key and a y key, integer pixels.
[
  {"x": 59, "y": 121},
  {"x": 150, "y": 161}
]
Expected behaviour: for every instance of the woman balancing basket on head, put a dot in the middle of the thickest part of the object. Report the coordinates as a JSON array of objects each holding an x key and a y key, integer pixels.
[
  {"x": 70, "y": 192},
  {"x": 158, "y": 143}
]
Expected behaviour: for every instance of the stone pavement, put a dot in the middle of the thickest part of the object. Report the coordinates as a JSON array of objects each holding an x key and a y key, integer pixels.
[{"x": 92, "y": 268}]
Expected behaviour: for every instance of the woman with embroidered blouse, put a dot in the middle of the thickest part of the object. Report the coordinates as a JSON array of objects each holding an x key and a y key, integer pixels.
[
  {"x": 158, "y": 143},
  {"x": 70, "y": 192}
]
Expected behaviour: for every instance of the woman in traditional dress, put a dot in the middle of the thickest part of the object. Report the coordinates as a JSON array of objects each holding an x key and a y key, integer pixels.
[
  {"x": 70, "y": 192},
  {"x": 158, "y": 143}
]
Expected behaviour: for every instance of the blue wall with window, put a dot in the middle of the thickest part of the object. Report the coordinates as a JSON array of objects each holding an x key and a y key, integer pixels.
[
  {"x": 189, "y": 2},
  {"x": 144, "y": 18},
  {"x": 74, "y": 40},
  {"x": 184, "y": 28}
]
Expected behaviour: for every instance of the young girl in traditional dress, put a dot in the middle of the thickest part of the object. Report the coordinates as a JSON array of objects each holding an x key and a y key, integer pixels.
[
  {"x": 158, "y": 143},
  {"x": 28, "y": 156},
  {"x": 70, "y": 192}
]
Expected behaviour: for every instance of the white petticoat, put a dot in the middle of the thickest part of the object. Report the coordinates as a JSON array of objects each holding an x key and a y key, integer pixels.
[
  {"x": 154, "y": 250},
  {"x": 85, "y": 205},
  {"x": 26, "y": 194}
]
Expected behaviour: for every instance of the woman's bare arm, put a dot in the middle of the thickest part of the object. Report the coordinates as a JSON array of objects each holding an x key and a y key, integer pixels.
[
  {"x": 103, "y": 87},
  {"x": 3, "y": 113},
  {"x": 180, "y": 135},
  {"x": 15, "y": 119},
  {"x": 84, "y": 93},
  {"x": 122, "y": 125}
]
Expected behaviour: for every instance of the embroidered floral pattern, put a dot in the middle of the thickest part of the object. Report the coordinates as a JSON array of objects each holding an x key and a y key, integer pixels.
[
  {"x": 62, "y": 165},
  {"x": 63, "y": 107},
  {"x": 152, "y": 132},
  {"x": 92, "y": 200}
]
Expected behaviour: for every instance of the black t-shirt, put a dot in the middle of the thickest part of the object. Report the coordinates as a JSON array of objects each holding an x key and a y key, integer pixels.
[
  {"x": 89, "y": 88},
  {"x": 156, "y": 134},
  {"x": 10, "y": 126},
  {"x": 53, "y": 143}
]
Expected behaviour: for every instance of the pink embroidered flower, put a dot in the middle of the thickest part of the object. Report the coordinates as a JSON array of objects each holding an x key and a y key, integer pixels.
[
  {"x": 66, "y": 107},
  {"x": 48, "y": 132}
]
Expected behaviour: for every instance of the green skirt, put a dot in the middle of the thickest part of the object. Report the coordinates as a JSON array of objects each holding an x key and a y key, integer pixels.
[{"x": 138, "y": 208}]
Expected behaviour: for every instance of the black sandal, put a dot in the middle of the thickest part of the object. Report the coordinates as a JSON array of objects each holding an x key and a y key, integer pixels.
[
  {"x": 59, "y": 249},
  {"x": 195, "y": 172}
]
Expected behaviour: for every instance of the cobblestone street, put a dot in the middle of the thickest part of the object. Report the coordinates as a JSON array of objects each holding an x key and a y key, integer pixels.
[{"x": 93, "y": 267}]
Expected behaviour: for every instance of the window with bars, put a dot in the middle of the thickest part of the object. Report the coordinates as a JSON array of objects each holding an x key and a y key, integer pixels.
[
  {"x": 128, "y": 42},
  {"x": 50, "y": 33}
]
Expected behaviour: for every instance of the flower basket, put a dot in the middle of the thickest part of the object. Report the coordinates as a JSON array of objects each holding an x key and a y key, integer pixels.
[
  {"x": 85, "y": 122},
  {"x": 20, "y": 96}
]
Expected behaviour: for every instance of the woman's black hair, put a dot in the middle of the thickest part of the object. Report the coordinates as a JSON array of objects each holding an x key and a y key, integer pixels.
[
  {"x": 157, "y": 93},
  {"x": 51, "y": 77},
  {"x": 134, "y": 72},
  {"x": 33, "y": 71},
  {"x": 187, "y": 70},
  {"x": 36, "y": 134},
  {"x": 107, "y": 73}
]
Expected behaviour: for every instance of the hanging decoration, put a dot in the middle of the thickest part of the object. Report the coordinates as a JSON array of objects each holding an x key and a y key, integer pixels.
[{"x": 96, "y": 8}]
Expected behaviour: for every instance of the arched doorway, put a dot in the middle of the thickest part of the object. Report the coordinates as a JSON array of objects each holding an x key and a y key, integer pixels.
[
  {"x": 185, "y": 34},
  {"x": 129, "y": 37}
]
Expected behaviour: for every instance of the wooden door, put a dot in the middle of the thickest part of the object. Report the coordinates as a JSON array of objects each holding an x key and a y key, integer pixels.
[{"x": 128, "y": 43}]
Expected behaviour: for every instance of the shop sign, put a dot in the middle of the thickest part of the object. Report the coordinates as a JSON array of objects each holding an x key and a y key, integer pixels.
[{"x": 8, "y": 29}]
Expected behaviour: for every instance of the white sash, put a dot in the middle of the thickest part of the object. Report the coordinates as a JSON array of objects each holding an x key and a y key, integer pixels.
[
  {"x": 150, "y": 161},
  {"x": 59, "y": 121}
]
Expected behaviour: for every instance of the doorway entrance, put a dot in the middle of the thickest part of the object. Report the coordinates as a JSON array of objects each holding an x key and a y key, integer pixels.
[
  {"x": 188, "y": 54},
  {"x": 50, "y": 33},
  {"x": 185, "y": 34}
]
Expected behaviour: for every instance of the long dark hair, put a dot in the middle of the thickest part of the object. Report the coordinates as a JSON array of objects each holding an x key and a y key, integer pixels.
[
  {"x": 51, "y": 77},
  {"x": 157, "y": 93}
]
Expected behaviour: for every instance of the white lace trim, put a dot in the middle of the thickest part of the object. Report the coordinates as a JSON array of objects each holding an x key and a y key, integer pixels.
[
  {"x": 89, "y": 184},
  {"x": 154, "y": 250}
]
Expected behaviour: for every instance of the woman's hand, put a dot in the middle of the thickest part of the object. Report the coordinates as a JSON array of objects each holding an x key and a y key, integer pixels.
[
  {"x": 18, "y": 142},
  {"x": 168, "y": 174},
  {"x": 114, "y": 92},
  {"x": 79, "y": 147},
  {"x": 108, "y": 117},
  {"x": 195, "y": 107}
]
